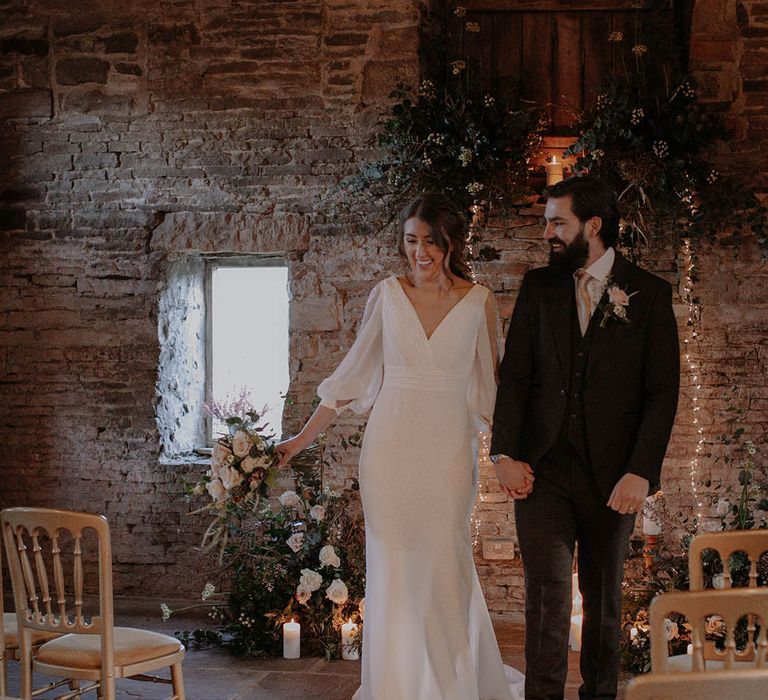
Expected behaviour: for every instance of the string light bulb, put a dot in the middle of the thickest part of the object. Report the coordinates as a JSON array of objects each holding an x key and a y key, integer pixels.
[{"x": 691, "y": 347}]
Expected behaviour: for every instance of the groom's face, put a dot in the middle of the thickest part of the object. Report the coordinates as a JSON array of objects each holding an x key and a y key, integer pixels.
[{"x": 568, "y": 246}]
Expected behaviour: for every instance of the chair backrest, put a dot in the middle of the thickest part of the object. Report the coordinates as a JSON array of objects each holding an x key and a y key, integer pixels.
[
  {"x": 752, "y": 542},
  {"x": 48, "y": 533},
  {"x": 707, "y": 685},
  {"x": 697, "y": 606}
]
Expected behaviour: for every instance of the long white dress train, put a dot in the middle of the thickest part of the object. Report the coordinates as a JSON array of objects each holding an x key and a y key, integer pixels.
[{"x": 427, "y": 634}]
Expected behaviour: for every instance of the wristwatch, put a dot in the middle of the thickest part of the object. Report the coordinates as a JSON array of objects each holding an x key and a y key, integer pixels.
[{"x": 498, "y": 457}]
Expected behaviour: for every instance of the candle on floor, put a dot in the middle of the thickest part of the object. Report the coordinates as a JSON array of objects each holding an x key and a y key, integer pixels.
[
  {"x": 349, "y": 647},
  {"x": 291, "y": 640},
  {"x": 689, "y": 650},
  {"x": 574, "y": 639},
  {"x": 554, "y": 171}
]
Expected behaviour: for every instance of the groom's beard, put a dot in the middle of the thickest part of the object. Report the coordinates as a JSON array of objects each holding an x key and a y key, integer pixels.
[{"x": 572, "y": 256}]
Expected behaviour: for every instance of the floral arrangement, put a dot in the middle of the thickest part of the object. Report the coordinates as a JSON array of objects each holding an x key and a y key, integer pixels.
[
  {"x": 242, "y": 470},
  {"x": 744, "y": 507},
  {"x": 614, "y": 304},
  {"x": 647, "y": 135},
  {"x": 453, "y": 136},
  {"x": 298, "y": 554}
]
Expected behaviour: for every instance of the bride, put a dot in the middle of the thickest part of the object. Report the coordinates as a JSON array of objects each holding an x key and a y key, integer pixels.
[{"x": 424, "y": 359}]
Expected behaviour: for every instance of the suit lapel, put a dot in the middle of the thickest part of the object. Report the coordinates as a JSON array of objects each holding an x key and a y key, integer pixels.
[
  {"x": 621, "y": 276},
  {"x": 560, "y": 301}
]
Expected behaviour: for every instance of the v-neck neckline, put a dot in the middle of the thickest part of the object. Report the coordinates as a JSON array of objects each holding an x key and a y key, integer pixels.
[{"x": 429, "y": 337}]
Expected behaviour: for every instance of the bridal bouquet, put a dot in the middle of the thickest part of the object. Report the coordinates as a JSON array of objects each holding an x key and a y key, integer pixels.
[{"x": 242, "y": 470}]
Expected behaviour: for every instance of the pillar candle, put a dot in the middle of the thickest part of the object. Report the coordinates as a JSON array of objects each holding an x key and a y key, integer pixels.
[
  {"x": 291, "y": 640},
  {"x": 554, "y": 171},
  {"x": 349, "y": 647}
]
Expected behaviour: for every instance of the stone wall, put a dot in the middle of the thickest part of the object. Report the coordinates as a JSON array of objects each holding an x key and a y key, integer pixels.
[{"x": 136, "y": 134}]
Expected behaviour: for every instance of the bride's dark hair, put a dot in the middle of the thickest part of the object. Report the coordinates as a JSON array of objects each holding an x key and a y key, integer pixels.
[{"x": 449, "y": 229}]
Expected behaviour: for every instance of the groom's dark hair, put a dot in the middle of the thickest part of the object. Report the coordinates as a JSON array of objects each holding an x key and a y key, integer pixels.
[{"x": 591, "y": 197}]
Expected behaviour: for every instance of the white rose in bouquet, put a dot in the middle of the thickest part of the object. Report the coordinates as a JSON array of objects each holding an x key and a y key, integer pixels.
[
  {"x": 718, "y": 581},
  {"x": 230, "y": 477},
  {"x": 317, "y": 513},
  {"x": 216, "y": 489},
  {"x": 289, "y": 499},
  {"x": 303, "y": 594},
  {"x": 241, "y": 443},
  {"x": 311, "y": 579},
  {"x": 295, "y": 541},
  {"x": 337, "y": 592},
  {"x": 328, "y": 557},
  {"x": 250, "y": 463},
  {"x": 220, "y": 456}
]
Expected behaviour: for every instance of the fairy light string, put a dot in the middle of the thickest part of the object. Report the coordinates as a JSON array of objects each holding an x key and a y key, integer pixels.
[{"x": 692, "y": 356}]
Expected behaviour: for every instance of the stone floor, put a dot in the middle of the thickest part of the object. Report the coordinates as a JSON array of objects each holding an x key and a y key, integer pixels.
[{"x": 213, "y": 674}]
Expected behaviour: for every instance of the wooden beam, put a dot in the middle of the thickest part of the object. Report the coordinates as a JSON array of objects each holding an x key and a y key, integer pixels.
[{"x": 549, "y": 5}]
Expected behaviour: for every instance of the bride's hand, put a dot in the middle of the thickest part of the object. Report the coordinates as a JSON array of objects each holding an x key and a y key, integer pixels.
[{"x": 287, "y": 450}]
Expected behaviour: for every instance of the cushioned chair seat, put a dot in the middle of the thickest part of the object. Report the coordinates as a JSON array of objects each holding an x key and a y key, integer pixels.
[
  {"x": 12, "y": 633},
  {"x": 684, "y": 662},
  {"x": 84, "y": 650}
]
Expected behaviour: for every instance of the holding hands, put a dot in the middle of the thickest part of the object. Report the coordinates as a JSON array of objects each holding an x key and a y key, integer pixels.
[{"x": 516, "y": 478}]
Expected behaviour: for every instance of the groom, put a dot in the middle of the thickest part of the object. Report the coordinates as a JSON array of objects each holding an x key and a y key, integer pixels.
[{"x": 587, "y": 397}]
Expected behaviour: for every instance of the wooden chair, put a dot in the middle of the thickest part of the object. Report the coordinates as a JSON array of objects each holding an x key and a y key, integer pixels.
[
  {"x": 730, "y": 605},
  {"x": 90, "y": 649},
  {"x": 704, "y": 685},
  {"x": 9, "y": 636},
  {"x": 752, "y": 542}
]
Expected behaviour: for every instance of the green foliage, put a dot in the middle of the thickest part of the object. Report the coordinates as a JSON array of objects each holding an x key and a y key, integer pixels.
[{"x": 649, "y": 137}]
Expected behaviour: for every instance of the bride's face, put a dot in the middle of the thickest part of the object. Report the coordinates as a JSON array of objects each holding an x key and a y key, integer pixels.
[{"x": 424, "y": 255}]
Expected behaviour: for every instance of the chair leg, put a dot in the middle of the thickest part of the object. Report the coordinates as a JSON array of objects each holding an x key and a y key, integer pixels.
[
  {"x": 74, "y": 684},
  {"x": 177, "y": 680},
  {"x": 3, "y": 672}
]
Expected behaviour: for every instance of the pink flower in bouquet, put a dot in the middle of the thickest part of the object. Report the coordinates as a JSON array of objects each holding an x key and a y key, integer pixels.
[{"x": 220, "y": 455}]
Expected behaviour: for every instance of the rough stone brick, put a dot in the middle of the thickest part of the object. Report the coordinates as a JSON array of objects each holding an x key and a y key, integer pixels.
[
  {"x": 24, "y": 44},
  {"x": 124, "y": 42},
  {"x": 30, "y": 102},
  {"x": 75, "y": 71}
]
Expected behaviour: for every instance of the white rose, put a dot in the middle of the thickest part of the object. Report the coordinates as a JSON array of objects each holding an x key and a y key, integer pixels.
[
  {"x": 311, "y": 579},
  {"x": 216, "y": 489},
  {"x": 718, "y": 581},
  {"x": 723, "y": 507},
  {"x": 289, "y": 499},
  {"x": 230, "y": 477},
  {"x": 337, "y": 592},
  {"x": 251, "y": 463},
  {"x": 241, "y": 444},
  {"x": 303, "y": 594},
  {"x": 220, "y": 455},
  {"x": 670, "y": 629},
  {"x": 361, "y": 608},
  {"x": 317, "y": 513},
  {"x": 328, "y": 557},
  {"x": 295, "y": 541}
]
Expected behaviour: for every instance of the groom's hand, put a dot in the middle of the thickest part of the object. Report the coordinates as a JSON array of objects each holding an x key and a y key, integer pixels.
[
  {"x": 628, "y": 496},
  {"x": 515, "y": 478}
]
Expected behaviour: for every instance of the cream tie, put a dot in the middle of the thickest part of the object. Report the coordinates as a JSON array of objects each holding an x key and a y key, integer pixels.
[{"x": 585, "y": 308}]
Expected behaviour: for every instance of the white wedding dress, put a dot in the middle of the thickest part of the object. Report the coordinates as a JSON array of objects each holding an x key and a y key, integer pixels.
[{"x": 427, "y": 634}]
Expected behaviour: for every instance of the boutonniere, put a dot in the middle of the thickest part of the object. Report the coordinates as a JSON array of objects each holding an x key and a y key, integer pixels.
[{"x": 614, "y": 303}]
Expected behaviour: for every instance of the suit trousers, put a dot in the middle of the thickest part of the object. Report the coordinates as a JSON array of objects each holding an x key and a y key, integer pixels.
[{"x": 566, "y": 507}]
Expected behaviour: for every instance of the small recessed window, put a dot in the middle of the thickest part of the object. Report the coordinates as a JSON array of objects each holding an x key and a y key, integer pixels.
[{"x": 247, "y": 336}]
